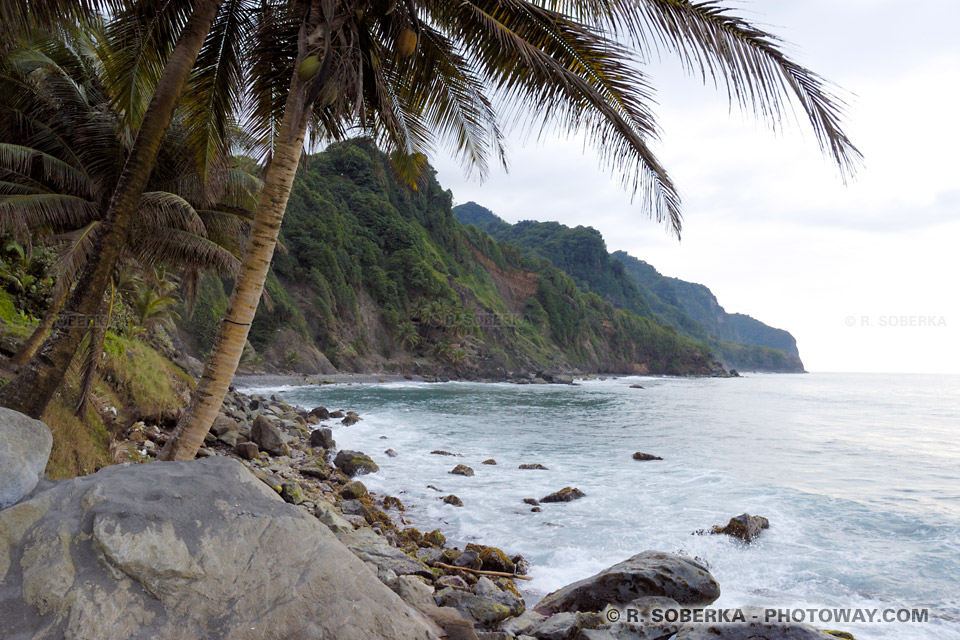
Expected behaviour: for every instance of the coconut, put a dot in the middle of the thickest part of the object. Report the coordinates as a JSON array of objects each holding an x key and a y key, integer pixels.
[
  {"x": 309, "y": 68},
  {"x": 406, "y": 43}
]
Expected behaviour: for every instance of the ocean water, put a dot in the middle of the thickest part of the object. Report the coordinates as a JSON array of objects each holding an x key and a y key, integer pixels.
[{"x": 859, "y": 476}]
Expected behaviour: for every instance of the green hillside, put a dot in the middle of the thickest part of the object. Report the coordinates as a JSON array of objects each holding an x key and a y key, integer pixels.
[
  {"x": 739, "y": 341},
  {"x": 376, "y": 275}
]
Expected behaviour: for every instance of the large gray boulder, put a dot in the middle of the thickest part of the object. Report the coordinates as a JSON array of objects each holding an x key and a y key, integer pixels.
[
  {"x": 651, "y": 573},
  {"x": 184, "y": 551},
  {"x": 25, "y": 446}
]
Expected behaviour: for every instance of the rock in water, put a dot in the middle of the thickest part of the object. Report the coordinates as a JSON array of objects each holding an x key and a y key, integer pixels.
[
  {"x": 744, "y": 526},
  {"x": 354, "y": 463},
  {"x": 640, "y": 455},
  {"x": 651, "y": 573},
  {"x": 567, "y": 494},
  {"x": 753, "y": 627},
  {"x": 183, "y": 551},
  {"x": 25, "y": 446},
  {"x": 323, "y": 438},
  {"x": 462, "y": 470}
]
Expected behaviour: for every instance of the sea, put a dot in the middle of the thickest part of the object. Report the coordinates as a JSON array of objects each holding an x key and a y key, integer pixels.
[{"x": 858, "y": 474}]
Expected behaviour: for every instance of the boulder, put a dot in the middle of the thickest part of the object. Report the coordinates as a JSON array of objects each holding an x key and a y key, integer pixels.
[
  {"x": 536, "y": 466},
  {"x": 355, "y": 462},
  {"x": 651, "y": 573},
  {"x": 565, "y": 626},
  {"x": 567, "y": 494},
  {"x": 462, "y": 470},
  {"x": 486, "y": 610},
  {"x": 247, "y": 450},
  {"x": 390, "y": 453},
  {"x": 267, "y": 436},
  {"x": 523, "y": 623},
  {"x": 490, "y": 461},
  {"x": 176, "y": 551},
  {"x": 753, "y": 627},
  {"x": 320, "y": 413},
  {"x": 744, "y": 526},
  {"x": 441, "y": 452},
  {"x": 640, "y": 455},
  {"x": 322, "y": 438},
  {"x": 25, "y": 446},
  {"x": 222, "y": 424},
  {"x": 353, "y": 490},
  {"x": 453, "y": 500}
]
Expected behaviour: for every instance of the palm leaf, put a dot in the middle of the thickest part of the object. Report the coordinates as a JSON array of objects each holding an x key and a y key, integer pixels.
[{"x": 46, "y": 210}]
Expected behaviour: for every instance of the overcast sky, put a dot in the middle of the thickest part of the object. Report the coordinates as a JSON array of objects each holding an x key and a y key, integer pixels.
[{"x": 864, "y": 276}]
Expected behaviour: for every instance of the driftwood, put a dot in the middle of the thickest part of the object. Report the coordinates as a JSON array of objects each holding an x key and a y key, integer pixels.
[{"x": 498, "y": 574}]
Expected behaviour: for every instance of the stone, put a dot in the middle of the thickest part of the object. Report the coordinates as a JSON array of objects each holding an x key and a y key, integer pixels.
[
  {"x": 349, "y": 420},
  {"x": 414, "y": 591},
  {"x": 485, "y": 612},
  {"x": 453, "y": 581},
  {"x": 267, "y": 436},
  {"x": 373, "y": 548},
  {"x": 567, "y": 494},
  {"x": 469, "y": 559},
  {"x": 535, "y": 466},
  {"x": 441, "y": 452},
  {"x": 640, "y": 455},
  {"x": 321, "y": 413},
  {"x": 435, "y": 538},
  {"x": 183, "y": 551},
  {"x": 564, "y": 626},
  {"x": 521, "y": 624},
  {"x": 353, "y": 490},
  {"x": 336, "y": 414},
  {"x": 453, "y": 500},
  {"x": 531, "y": 501},
  {"x": 355, "y": 463},
  {"x": 493, "y": 559},
  {"x": 651, "y": 573},
  {"x": 744, "y": 526},
  {"x": 326, "y": 514},
  {"x": 489, "y": 461},
  {"x": 247, "y": 450},
  {"x": 25, "y": 446},
  {"x": 390, "y": 453},
  {"x": 223, "y": 424},
  {"x": 462, "y": 470},
  {"x": 290, "y": 492},
  {"x": 752, "y": 628},
  {"x": 636, "y": 386}
]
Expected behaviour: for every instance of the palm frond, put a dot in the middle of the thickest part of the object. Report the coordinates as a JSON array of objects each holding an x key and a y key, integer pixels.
[
  {"x": 45, "y": 168},
  {"x": 181, "y": 249},
  {"x": 169, "y": 210},
  {"x": 46, "y": 210}
]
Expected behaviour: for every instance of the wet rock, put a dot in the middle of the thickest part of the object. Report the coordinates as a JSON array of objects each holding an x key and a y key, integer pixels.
[
  {"x": 536, "y": 510},
  {"x": 485, "y": 612},
  {"x": 390, "y": 453},
  {"x": 535, "y": 466},
  {"x": 454, "y": 500},
  {"x": 349, "y": 420},
  {"x": 435, "y": 538},
  {"x": 336, "y": 414},
  {"x": 640, "y": 455},
  {"x": 492, "y": 558},
  {"x": 462, "y": 470},
  {"x": 25, "y": 446},
  {"x": 355, "y": 462},
  {"x": 651, "y": 573},
  {"x": 320, "y": 413},
  {"x": 490, "y": 461},
  {"x": 353, "y": 490},
  {"x": 531, "y": 501},
  {"x": 469, "y": 559},
  {"x": 390, "y": 502},
  {"x": 744, "y": 526},
  {"x": 567, "y": 494},
  {"x": 267, "y": 436},
  {"x": 636, "y": 386},
  {"x": 323, "y": 438},
  {"x": 441, "y": 452}
]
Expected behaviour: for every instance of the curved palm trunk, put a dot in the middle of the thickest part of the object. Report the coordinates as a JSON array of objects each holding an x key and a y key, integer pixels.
[
  {"x": 37, "y": 382},
  {"x": 222, "y": 362},
  {"x": 29, "y": 348}
]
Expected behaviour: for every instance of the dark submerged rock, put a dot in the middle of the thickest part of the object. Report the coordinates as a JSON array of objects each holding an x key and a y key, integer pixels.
[{"x": 567, "y": 494}]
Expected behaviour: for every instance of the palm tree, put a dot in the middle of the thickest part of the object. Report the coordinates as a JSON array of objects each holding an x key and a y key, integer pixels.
[
  {"x": 417, "y": 72},
  {"x": 407, "y": 335},
  {"x": 167, "y": 37},
  {"x": 55, "y": 176}
]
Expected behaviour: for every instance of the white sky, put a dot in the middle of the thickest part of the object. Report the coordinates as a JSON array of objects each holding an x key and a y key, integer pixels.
[{"x": 769, "y": 226}]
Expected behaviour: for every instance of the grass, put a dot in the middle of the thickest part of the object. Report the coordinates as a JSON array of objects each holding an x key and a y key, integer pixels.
[
  {"x": 79, "y": 446},
  {"x": 142, "y": 378}
]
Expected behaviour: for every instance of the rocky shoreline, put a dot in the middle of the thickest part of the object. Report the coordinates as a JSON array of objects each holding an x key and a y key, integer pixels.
[{"x": 260, "y": 454}]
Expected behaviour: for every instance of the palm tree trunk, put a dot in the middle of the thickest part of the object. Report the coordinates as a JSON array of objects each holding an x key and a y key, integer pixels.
[
  {"x": 222, "y": 362},
  {"x": 33, "y": 343},
  {"x": 38, "y": 380}
]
